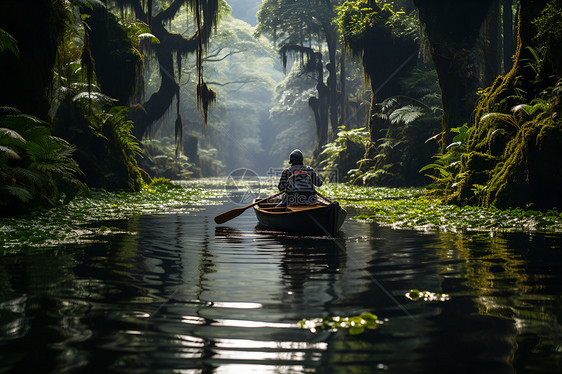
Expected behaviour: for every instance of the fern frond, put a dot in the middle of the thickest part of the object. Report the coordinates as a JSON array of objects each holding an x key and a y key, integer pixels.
[
  {"x": 19, "y": 193},
  {"x": 388, "y": 104},
  {"x": 149, "y": 36},
  {"x": 10, "y": 153},
  {"x": 30, "y": 177},
  {"x": 94, "y": 96},
  {"x": 7, "y": 42},
  {"x": 407, "y": 114},
  {"x": 9, "y": 110},
  {"x": 12, "y": 134},
  {"x": 20, "y": 122}
]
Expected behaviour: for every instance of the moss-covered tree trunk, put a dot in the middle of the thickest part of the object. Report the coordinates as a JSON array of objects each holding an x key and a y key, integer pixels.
[
  {"x": 514, "y": 157},
  {"x": 118, "y": 65},
  {"x": 26, "y": 80},
  {"x": 453, "y": 29},
  {"x": 386, "y": 59}
]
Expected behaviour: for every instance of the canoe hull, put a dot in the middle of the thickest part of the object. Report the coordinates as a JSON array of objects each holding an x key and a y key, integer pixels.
[{"x": 320, "y": 219}]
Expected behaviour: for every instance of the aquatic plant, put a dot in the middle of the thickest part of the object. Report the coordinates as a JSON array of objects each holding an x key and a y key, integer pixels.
[
  {"x": 415, "y": 208},
  {"x": 416, "y": 295},
  {"x": 354, "y": 324}
]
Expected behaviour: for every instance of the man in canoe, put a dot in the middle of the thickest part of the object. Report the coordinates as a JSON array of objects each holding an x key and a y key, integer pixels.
[{"x": 298, "y": 182}]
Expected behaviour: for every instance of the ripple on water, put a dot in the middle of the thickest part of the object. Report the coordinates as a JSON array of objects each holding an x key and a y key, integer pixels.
[{"x": 184, "y": 295}]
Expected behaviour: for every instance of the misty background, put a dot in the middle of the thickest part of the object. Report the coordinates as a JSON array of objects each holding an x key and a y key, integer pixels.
[{"x": 260, "y": 116}]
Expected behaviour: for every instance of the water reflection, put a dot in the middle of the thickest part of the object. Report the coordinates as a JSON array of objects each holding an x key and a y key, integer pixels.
[{"x": 180, "y": 294}]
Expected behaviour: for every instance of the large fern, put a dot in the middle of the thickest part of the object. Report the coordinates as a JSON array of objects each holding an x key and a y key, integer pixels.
[{"x": 33, "y": 163}]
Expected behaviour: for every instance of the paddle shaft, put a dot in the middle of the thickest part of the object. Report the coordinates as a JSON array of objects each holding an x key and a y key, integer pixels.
[{"x": 233, "y": 213}]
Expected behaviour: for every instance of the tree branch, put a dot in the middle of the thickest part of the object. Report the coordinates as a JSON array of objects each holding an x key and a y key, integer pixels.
[
  {"x": 170, "y": 12},
  {"x": 207, "y": 59}
]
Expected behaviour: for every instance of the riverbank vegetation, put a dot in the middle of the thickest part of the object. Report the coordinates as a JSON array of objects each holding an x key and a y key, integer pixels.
[
  {"x": 415, "y": 208},
  {"x": 96, "y": 212},
  {"x": 442, "y": 101}
]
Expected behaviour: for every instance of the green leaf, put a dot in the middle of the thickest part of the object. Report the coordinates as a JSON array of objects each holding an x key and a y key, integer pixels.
[
  {"x": 5, "y": 132},
  {"x": 367, "y": 316},
  {"x": 431, "y": 166},
  {"x": 18, "y": 192},
  {"x": 10, "y": 153},
  {"x": 356, "y": 330},
  {"x": 150, "y": 36},
  {"x": 7, "y": 42}
]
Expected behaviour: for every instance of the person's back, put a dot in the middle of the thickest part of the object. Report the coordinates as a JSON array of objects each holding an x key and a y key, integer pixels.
[{"x": 298, "y": 182}]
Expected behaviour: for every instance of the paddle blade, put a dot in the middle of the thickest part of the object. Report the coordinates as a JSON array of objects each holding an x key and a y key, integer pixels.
[{"x": 227, "y": 216}]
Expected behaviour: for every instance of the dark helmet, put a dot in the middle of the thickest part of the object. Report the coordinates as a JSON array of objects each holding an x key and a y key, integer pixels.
[{"x": 296, "y": 157}]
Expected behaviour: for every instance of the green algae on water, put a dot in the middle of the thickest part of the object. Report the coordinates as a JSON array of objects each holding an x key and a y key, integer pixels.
[
  {"x": 414, "y": 208},
  {"x": 78, "y": 221}
]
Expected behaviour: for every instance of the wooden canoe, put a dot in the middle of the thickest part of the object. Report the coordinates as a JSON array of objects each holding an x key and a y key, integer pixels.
[{"x": 321, "y": 218}]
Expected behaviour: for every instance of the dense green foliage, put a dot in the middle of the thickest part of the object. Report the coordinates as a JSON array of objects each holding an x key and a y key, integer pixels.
[
  {"x": 405, "y": 107},
  {"x": 412, "y": 123},
  {"x": 511, "y": 156},
  {"x": 36, "y": 168},
  {"x": 342, "y": 154},
  {"x": 107, "y": 151}
]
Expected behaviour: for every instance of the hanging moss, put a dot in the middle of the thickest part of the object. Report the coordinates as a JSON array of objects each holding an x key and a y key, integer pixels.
[
  {"x": 205, "y": 97},
  {"x": 117, "y": 62}
]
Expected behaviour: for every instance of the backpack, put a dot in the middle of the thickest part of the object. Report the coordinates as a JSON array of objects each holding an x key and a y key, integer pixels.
[{"x": 300, "y": 181}]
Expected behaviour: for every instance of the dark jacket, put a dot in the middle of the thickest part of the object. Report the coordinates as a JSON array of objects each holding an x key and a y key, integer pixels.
[{"x": 298, "y": 182}]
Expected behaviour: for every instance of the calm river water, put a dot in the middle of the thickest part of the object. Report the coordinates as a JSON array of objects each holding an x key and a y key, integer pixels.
[{"x": 183, "y": 295}]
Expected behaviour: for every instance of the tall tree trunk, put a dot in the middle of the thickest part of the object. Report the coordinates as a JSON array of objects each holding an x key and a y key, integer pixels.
[
  {"x": 453, "y": 28},
  {"x": 118, "y": 65},
  {"x": 342, "y": 92},
  {"x": 492, "y": 46},
  {"x": 508, "y": 35},
  {"x": 26, "y": 80},
  {"x": 331, "y": 81}
]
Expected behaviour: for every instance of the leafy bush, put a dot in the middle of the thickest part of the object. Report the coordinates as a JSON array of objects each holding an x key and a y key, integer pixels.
[
  {"x": 405, "y": 148},
  {"x": 36, "y": 168},
  {"x": 344, "y": 152}
]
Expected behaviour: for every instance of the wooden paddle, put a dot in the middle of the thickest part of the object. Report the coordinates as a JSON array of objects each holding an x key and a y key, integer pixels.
[{"x": 233, "y": 213}]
